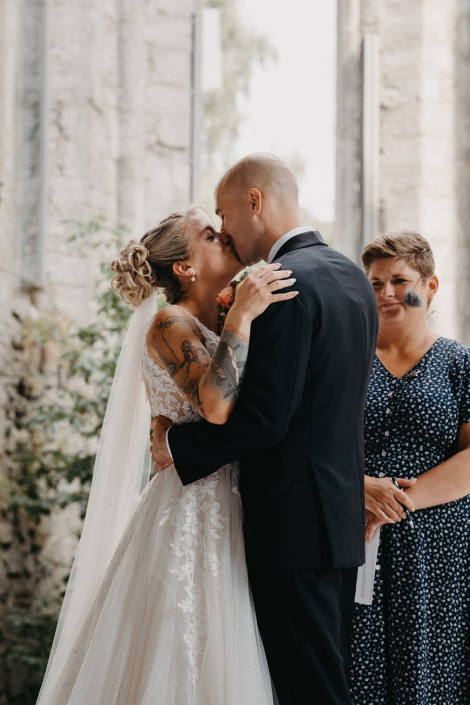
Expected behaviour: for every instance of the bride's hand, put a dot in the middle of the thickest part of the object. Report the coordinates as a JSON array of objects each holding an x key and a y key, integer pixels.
[
  {"x": 158, "y": 445},
  {"x": 260, "y": 289}
]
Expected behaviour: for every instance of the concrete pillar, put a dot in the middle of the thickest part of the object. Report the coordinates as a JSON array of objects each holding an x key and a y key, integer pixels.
[
  {"x": 348, "y": 134},
  {"x": 370, "y": 139},
  {"x": 423, "y": 175},
  {"x": 132, "y": 80},
  {"x": 437, "y": 198},
  {"x": 461, "y": 173},
  {"x": 10, "y": 22}
]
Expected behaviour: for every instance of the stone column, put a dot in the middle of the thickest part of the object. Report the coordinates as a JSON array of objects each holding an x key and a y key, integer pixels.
[
  {"x": 348, "y": 134},
  {"x": 32, "y": 138},
  {"x": 461, "y": 175},
  {"x": 436, "y": 193},
  {"x": 370, "y": 138},
  {"x": 10, "y": 22},
  {"x": 424, "y": 168},
  {"x": 167, "y": 36},
  {"x": 132, "y": 79}
]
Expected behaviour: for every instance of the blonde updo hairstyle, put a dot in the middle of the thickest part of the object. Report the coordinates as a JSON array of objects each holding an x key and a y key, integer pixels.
[{"x": 147, "y": 265}]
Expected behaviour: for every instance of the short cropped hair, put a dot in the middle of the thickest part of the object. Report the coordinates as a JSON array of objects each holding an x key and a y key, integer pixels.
[{"x": 403, "y": 244}]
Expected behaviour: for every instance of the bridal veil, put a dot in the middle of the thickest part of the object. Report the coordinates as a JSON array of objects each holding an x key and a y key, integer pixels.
[{"x": 121, "y": 472}]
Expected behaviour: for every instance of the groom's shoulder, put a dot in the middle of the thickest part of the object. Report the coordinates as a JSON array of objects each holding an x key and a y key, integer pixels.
[
  {"x": 324, "y": 274},
  {"x": 321, "y": 260}
]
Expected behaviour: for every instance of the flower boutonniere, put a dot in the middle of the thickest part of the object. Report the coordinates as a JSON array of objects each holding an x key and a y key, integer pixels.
[{"x": 226, "y": 298}]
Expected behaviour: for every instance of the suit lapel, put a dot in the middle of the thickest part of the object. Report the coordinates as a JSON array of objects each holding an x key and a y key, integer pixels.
[{"x": 308, "y": 239}]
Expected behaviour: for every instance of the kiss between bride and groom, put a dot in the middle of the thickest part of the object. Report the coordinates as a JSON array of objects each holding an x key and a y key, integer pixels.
[{"x": 229, "y": 578}]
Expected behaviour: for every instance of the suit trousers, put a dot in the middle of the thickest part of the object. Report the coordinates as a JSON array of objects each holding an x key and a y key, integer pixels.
[{"x": 305, "y": 621}]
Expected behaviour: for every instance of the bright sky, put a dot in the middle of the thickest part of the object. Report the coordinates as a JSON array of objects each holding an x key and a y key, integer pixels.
[{"x": 292, "y": 103}]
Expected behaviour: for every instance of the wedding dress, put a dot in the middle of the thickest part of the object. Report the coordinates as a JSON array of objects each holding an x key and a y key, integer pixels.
[{"x": 172, "y": 621}]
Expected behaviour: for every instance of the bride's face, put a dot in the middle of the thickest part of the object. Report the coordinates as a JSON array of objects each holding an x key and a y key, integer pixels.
[{"x": 214, "y": 258}]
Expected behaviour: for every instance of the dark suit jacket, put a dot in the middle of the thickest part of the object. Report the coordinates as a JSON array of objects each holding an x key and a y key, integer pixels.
[{"x": 297, "y": 426}]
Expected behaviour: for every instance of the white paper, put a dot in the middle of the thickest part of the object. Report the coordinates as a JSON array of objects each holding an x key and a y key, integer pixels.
[{"x": 366, "y": 573}]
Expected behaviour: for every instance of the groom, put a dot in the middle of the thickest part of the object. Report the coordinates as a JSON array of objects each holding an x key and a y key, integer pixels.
[{"x": 297, "y": 430}]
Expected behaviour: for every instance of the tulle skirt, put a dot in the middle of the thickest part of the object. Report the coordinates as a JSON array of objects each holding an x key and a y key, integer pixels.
[{"x": 173, "y": 622}]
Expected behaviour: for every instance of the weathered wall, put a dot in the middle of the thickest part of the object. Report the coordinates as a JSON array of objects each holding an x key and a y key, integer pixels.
[
  {"x": 461, "y": 174},
  {"x": 424, "y": 166},
  {"x": 94, "y": 122}
]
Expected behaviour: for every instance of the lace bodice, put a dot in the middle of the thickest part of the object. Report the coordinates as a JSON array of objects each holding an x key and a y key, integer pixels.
[{"x": 164, "y": 396}]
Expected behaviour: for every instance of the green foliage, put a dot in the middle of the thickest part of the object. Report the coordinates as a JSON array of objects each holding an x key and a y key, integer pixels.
[
  {"x": 40, "y": 330},
  {"x": 48, "y": 474},
  {"x": 53, "y": 467},
  {"x": 30, "y": 639}
]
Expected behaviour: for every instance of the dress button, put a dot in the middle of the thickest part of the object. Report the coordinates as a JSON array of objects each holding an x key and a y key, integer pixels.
[
  {"x": 387, "y": 433},
  {"x": 384, "y": 453}
]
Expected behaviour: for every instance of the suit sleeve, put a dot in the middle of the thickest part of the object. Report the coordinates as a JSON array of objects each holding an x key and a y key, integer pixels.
[{"x": 270, "y": 394}]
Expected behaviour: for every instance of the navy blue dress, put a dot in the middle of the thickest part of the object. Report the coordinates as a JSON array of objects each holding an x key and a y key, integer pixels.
[{"x": 412, "y": 645}]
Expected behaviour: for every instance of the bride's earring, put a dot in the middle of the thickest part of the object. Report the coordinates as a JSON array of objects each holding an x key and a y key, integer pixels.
[{"x": 193, "y": 278}]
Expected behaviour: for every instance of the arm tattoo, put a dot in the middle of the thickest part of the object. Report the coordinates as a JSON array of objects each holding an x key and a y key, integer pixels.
[
  {"x": 190, "y": 389},
  {"x": 191, "y": 354},
  {"x": 169, "y": 366},
  {"x": 227, "y": 368},
  {"x": 166, "y": 324},
  {"x": 223, "y": 375}
]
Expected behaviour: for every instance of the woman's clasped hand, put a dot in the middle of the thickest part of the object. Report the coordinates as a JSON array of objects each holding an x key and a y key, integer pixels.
[{"x": 385, "y": 502}]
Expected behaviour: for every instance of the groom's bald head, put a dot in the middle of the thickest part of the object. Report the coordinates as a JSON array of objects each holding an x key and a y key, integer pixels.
[
  {"x": 257, "y": 200},
  {"x": 261, "y": 171}
]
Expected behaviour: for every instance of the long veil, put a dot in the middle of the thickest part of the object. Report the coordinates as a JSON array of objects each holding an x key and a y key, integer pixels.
[{"x": 121, "y": 471}]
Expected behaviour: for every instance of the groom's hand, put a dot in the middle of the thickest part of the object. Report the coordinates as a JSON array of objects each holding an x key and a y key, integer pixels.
[
  {"x": 385, "y": 500},
  {"x": 158, "y": 446},
  {"x": 372, "y": 524}
]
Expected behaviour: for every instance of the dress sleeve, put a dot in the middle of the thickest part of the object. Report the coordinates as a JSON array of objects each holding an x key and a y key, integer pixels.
[{"x": 464, "y": 412}]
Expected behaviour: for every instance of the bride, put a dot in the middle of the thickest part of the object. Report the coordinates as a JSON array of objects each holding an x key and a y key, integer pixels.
[{"x": 158, "y": 609}]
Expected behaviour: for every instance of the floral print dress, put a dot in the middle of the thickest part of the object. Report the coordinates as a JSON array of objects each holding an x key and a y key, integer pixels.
[{"x": 412, "y": 645}]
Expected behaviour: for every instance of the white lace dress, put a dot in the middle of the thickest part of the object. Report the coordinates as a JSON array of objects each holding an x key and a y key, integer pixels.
[{"x": 173, "y": 623}]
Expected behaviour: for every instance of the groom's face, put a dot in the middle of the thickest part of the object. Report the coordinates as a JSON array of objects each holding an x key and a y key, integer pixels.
[{"x": 239, "y": 224}]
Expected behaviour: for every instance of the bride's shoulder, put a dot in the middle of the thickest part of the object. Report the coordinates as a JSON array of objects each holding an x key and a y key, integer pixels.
[
  {"x": 174, "y": 339},
  {"x": 171, "y": 316},
  {"x": 171, "y": 321}
]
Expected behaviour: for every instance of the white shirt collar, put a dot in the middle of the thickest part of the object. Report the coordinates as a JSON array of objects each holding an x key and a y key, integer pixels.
[{"x": 279, "y": 243}]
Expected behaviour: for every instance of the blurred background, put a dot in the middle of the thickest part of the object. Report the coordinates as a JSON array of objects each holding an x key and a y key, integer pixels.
[{"x": 114, "y": 113}]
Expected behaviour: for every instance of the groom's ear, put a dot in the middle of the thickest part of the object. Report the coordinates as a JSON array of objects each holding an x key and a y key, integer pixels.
[{"x": 255, "y": 200}]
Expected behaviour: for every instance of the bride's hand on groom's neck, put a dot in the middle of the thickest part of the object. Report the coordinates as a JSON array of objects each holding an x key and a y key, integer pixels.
[{"x": 259, "y": 290}]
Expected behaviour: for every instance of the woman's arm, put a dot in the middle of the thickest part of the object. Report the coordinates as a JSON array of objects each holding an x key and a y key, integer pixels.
[
  {"x": 175, "y": 342},
  {"x": 442, "y": 484},
  {"x": 448, "y": 481}
]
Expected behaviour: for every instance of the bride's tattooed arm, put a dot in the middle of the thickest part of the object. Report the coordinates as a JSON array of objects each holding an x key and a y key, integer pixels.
[
  {"x": 227, "y": 367},
  {"x": 210, "y": 385}
]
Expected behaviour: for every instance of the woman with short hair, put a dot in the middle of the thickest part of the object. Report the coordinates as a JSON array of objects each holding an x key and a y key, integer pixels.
[{"x": 412, "y": 645}]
